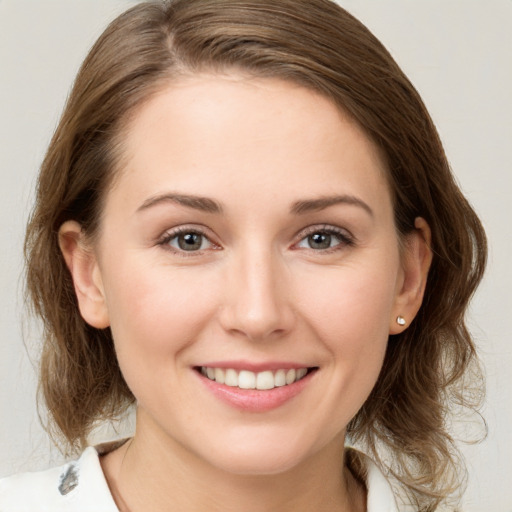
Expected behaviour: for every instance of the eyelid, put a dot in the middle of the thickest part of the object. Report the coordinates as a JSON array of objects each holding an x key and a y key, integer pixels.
[
  {"x": 169, "y": 234},
  {"x": 345, "y": 236}
]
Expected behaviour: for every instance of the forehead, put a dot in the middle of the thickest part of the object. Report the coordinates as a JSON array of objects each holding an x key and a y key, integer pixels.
[{"x": 202, "y": 129}]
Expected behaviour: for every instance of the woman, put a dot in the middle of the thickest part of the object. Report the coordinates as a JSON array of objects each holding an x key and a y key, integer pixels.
[{"x": 246, "y": 225}]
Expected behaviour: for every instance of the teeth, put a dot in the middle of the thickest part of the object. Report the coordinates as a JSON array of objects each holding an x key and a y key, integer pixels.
[
  {"x": 219, "y": 375},
  {"x": 265, "y": 380},
  {"x": 290, "y": 376},
  {"x": 246, "y": 379},
  {"x": 231, "y": 378},
  {"x": 280, "y": 378},
  {"x": 301, "y": 372}
]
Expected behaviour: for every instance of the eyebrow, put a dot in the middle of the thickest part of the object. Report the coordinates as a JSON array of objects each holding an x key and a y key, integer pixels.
[
  {"x": 314, "y": 205},
  {"x": 203, "y": 204},
  {"x": 208, "y": 205}
]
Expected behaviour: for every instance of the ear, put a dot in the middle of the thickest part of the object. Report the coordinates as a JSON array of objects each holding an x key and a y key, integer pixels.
[
  {"x": 83, "y": 266},
  {"x": 416, "y": 260}
]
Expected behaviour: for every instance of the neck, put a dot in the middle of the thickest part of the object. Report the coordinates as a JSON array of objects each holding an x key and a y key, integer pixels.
[{"x": 149, "y": 473}]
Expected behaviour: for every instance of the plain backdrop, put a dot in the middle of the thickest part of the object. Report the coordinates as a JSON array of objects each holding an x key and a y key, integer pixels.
[{"x": 459, "y": 56}]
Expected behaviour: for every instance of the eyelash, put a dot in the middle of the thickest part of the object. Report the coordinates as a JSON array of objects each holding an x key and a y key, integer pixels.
[
  {"x": 345, "y": 239},
  {"x": 165, "y": 240}
]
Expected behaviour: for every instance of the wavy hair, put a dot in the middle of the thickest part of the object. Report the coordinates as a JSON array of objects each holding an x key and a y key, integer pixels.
[{"x": 428, "y": 369}]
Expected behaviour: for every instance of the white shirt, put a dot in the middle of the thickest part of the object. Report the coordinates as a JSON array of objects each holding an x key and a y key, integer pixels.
[{"x": 80, "y": 486}]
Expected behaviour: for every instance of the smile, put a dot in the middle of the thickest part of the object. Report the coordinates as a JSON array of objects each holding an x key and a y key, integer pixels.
[{"x": 245, "y": 379}]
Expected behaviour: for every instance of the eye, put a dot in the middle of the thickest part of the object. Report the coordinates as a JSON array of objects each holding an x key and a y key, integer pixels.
[
  {"x": 324, "y": 239},
  {"x": 187, "y": 240}
]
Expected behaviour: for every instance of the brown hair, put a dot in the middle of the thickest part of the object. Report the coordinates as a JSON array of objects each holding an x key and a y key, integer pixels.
[{"x": 317, "y": 44}]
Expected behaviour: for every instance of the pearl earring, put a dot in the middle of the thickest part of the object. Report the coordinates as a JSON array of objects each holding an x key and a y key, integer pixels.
[{"x": 400, "y": 320}]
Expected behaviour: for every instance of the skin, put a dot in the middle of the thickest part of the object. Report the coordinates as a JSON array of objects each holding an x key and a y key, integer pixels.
[{"x": 263, "y": 151}]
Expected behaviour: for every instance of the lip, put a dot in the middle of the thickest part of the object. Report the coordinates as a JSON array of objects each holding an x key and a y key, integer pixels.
[
  {"x": 252, "y": 400},
  {"x": 254, "y": 367}
]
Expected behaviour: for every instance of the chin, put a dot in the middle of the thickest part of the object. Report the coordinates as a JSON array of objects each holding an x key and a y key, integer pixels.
[
  {"x": 258, "y": 464},
  {"x": 260, "y": 455}
]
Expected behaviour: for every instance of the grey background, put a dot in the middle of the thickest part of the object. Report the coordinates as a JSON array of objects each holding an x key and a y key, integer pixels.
[{"x": 457, "y": 53}]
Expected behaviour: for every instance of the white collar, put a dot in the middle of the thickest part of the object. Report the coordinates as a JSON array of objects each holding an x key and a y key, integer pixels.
[
  {"x": 80, "y": 486},
  {"x": 380, "y": 497}
]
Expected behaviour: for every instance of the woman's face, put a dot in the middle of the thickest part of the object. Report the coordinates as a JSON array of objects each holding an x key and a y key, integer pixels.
[{"x": 248, "y": 239}]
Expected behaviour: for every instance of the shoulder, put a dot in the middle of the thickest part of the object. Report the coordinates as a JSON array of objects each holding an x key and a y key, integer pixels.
[{"x": 77, "y": 486}]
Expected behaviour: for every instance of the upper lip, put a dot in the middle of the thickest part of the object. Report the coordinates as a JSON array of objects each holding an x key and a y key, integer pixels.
[{"x": 254, "y": 366}]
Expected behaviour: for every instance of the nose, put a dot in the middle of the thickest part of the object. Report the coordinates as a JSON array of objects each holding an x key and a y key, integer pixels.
[{"x": 257, "y": 299}]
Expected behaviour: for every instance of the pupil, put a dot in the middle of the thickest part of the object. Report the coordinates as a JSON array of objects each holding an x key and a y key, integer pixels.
[
  {"x": 189, "y": 241},
  {"x": 320, "y": 241}
]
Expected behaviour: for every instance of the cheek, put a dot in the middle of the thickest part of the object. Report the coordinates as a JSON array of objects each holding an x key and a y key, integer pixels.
[
  {"x": 350, "y": 315},
  {"x": 156, "y": 313},
  {"x": 350, "y": 310},
  {"x": 349, "y": 302}
]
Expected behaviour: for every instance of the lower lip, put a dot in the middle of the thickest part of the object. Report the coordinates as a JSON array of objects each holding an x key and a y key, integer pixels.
[{"x": 254, "y": 400}]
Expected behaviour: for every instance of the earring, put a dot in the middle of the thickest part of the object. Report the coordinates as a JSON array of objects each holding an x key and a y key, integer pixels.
[{"x": 400, "y": 320}]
